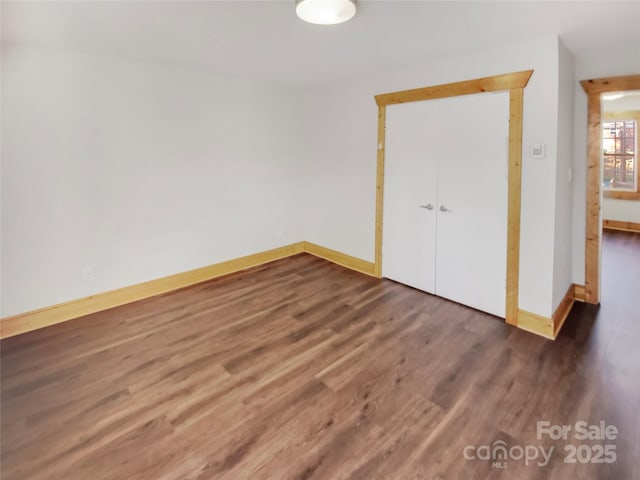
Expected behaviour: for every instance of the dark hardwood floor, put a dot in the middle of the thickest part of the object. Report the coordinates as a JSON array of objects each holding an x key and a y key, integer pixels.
[{"x": 301, "y": 369}]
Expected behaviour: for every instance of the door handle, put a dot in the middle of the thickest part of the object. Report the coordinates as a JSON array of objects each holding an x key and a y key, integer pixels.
[
  {"x": 427, "y": 206},
  {"x": 444, "y": 209}
]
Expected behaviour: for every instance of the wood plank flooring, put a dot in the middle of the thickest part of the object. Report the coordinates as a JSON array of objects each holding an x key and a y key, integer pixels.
[{"x": 301, "y": 369}]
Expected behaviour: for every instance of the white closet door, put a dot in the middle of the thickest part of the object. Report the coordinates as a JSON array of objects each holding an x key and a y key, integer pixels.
[
  {"x": 410, "y": 179},
  {"x": 450, "y": 154},
  {"x": 472, "y": 201}
]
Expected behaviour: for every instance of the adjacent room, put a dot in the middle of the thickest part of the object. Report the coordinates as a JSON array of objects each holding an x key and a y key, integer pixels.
[{"x": 319, "y": 239}]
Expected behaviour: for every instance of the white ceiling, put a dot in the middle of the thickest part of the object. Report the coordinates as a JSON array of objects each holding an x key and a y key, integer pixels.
[{"x": 265, "y": 39}]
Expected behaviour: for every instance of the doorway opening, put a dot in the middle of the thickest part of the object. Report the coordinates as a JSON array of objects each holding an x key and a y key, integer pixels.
[{"x": 612, "y": 165}]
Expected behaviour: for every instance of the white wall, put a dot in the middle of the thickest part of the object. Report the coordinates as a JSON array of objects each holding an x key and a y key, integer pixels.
[
  {"x": 342, "y": 156},
  {"x": 614, "y": 209},
  {"x": 139, "y": 170},
  {"x": 605, "y": 61},
  {"x": 144, "y": 171},
  {"x": 621, "y": 210},
  {"x": 629, "y": 102},
  {"x": 562, "y": 270}
]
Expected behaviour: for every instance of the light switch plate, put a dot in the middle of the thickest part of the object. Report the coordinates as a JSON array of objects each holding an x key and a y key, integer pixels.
[{"x": 538, "y": 150}]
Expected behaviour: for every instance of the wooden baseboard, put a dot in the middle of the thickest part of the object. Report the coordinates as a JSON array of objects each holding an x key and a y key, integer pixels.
[
  {"x": 43, "y": 317},
  {"x": 550, "y": 327},
  {"x": 562, "y": 311},
  {"x": 579, "y": 293},
  {"x": 621, "y": 226},
  {"x": 62, "y": 312},
  {"x": 534, "y": 323},
  {"x": 340, "y": 258}
]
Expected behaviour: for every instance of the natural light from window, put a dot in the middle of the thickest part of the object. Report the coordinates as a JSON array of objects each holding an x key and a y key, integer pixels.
[{"x": 619, "y": 150}]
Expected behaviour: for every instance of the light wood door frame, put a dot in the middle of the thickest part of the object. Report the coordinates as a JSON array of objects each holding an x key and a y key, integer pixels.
[
  {"x": 594, "y": 89},
  {"x": 512, "y": 82}
]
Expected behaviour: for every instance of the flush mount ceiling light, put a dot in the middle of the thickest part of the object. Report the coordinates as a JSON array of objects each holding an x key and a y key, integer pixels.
[{"x": 325, "y": 12}]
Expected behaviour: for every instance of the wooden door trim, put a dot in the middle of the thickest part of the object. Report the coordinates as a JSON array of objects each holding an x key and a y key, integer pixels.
[
  {"x": 594, "y": 88},
  {"x": 497, "y": 83},
  {"x": 512, "y": 82}
]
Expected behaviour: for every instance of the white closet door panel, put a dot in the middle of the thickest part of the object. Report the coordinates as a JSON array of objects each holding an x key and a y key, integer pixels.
[
  {"x": 409, "y": 233},
  {"x": 472, "y": 185}
]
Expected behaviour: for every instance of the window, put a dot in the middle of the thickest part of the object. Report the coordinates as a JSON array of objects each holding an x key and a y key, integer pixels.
[
  {"x": 619, "y": 146},
  {"x": 620, "y": 172}
]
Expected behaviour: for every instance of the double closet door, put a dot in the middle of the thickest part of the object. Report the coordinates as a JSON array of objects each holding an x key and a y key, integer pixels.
[{"x": 445, "y": 198}]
